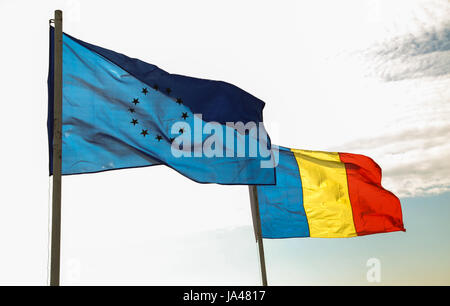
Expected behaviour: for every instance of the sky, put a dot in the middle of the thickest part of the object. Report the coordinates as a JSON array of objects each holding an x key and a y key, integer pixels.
[{"x": 359, "y": 76}]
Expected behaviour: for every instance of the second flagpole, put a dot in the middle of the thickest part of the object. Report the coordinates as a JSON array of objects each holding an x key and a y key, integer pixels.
[{"x": 257, "y": 229}]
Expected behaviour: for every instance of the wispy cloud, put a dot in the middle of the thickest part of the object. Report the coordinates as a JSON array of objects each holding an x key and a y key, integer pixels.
[{"x": 426, "y": 54}]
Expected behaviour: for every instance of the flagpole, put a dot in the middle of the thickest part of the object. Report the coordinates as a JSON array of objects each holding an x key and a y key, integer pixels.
[
  {"x": 257, "y": 229},
  {"x": 55, "y": 255}
]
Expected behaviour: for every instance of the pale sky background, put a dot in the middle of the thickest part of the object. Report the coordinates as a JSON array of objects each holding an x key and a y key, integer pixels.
[{"x": 360, "y": 76}]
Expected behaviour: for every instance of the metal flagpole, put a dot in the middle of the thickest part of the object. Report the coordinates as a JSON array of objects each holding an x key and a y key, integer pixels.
[
  {"x": 57, "y": 152},
  {"x": 258, "y": 234}
]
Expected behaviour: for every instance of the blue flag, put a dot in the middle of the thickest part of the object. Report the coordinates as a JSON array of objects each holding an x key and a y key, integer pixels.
[{"x": 120, "y": 112}]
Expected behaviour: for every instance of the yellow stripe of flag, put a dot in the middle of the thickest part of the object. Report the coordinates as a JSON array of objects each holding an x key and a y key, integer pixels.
[{"x": 325, "y": 194}]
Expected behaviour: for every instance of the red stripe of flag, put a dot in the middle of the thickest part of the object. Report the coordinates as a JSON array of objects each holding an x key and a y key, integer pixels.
[{"x": 375, "y": 209}]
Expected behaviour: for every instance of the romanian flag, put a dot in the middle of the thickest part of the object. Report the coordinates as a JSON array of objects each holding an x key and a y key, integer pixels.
[{"x": 329, "y": 195}]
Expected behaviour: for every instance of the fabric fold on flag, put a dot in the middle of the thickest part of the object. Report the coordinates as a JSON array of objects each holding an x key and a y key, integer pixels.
[
  {"x": 120, "y": 112},
  {"x": 328, "y": 195}
]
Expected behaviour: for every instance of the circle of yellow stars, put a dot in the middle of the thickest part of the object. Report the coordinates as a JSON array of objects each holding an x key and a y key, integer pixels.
[{"x": 145, "y": 132}]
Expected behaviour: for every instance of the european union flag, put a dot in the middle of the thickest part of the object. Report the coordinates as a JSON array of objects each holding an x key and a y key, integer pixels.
[{"x": 120, "y": 112}]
